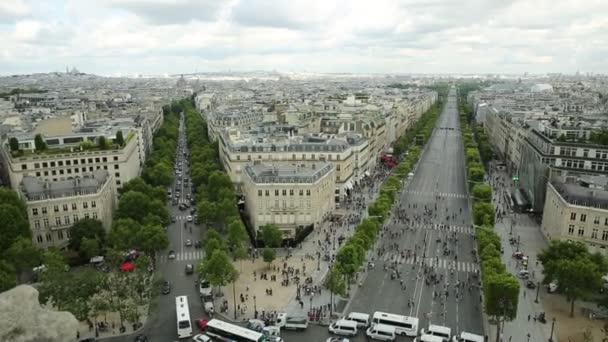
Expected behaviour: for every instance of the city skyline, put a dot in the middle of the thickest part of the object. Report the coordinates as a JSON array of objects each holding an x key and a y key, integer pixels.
[{"x": 127, "y": 37}]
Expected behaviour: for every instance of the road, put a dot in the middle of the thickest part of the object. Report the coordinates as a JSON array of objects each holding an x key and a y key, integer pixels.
[
  {"x": 162, "y": 325},
  {"x": 439, "y": 180}
]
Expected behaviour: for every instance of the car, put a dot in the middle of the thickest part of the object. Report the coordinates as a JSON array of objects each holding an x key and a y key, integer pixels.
[
  {"x": 189, "y": 218},
  {"x": 530, "y": 284},
  {"x": 182, "y": 207},
  {"x": 189, "y": 269},
  {"x": 188, "y": 243},
  {"x": 202, "y": 338},
  {"x": 88, "y": 339},
  {"x": 198, "y": 244},
  {"x": 337, "y": 339},
  {"x": 141, "y": 338},
  {"x": 166, "y": 288},
  {"x": 201, "y": 323},
  {"x": 192, "y": 211},
  {"x": 173, "y": 218},
  {"x": 171, "y": 254}
]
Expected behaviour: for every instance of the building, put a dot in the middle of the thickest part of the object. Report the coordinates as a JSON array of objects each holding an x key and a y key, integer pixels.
[
  {"x": 54, "y": 206},
  {"x": 290, "y": 196},
  {"x": 578, "y": 211},
  {"x": 66, "y": 158}
]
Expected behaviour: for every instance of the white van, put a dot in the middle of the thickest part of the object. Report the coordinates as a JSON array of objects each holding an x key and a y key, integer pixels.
[
  {"x": 404, "y": 325},
  {"x": 362, "y": 319},
  {"x": 428, "y": 338},
  {"x": 468, "y": 337},
  {"x": 438, "y": 330},
  {"x": 344, "y": 327},
  {"x": 381, "y": 332}
]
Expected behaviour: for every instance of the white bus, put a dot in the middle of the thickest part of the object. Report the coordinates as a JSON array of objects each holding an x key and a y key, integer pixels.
[
  {"x": 184, "y": 325},
  {"x": 230, "y": 332},
  {"x": 404, "y": 325}
]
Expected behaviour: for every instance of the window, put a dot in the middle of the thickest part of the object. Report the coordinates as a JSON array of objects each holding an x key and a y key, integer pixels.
[
  {"x": 581, "y": 231},
  {"x": 49, "y": 238},
  {"x": 34, "y": 211},
  {"x": 97, "y": 160},
  {"x": 74, "y": 206},
  {"x": 46, "y": 173},
  {"x": 104, "y": 159},
  {"x": 36, "y": 166},
  {"x": 337, "y": 167},
  {"x": 60, "y": 163},
  {"x": 86, "y": 215},
  {"x": 293, "y": 156},
  {"x": 43, "y": 210},
  {"x": 56, "y": 208},
  {"x": 605, "y": 235},
  {"x": 594, "y": 233},
  {"x": 39, "y": 238},
  {"x": 276, "y": 204},
  {"x": 37, "y": 224},
  {"x": 93, "y": 204},
  {"x": 267, "y": 193},
  {"x": 75, "y": 216},
  {"x": 45, "y": 164},
  {"x": 571, "y": 229},
  {"x": 95, "y": 215},
  {"x": 583, "y": 217},
  {"x": 284, "y": 204},
  {"x": 291, "y": 192},
  {"x": 68, "y": 162},
  {"x": 60, "y": 235},
  {"x": 90, "y": 160},
  {"x": 54, "y": 172},
  {"x": 115, "y": 166},
  {"x": 38, "y": 173},
  {"x": 45, "y": 221},
  {"x": 596, "y": 220},
  {"x": 75, "y": 161},
  {"x": 573, "y": 216},
  {"x": 117, "y": 174},
  {"x": 52, "y": 164},
  {"x": 115, "y": 158},
  {"x": 65, "y": 207},
  {"x": 301, "y": 192},
  {"x": 284, "y": 192},
  {"x": 276, "y": 192},
  {"x": 58, "y": 221},
  {"x": 23, "y": 166},
  {"x": 307, "y": 192},
  {"x": 66, "y": 219},
  {"x": 259, "y": 193},
  {"x": 85, "y": 205}
]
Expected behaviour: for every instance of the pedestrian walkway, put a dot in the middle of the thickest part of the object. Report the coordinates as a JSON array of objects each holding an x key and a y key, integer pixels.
[
  {"x": 452, "y": 229},
  {"x": 448, "y": 264},
  {"x": 182, "y": 217},
  {"x": 434, "y": 194},
  {"x": 184, "y": 256}
]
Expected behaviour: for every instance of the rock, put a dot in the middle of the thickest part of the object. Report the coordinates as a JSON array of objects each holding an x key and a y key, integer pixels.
[{"x": 22, "y": 319}]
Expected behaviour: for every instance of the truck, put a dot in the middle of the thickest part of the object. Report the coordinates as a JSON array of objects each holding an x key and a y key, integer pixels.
[{"x": 292, "y": 322}]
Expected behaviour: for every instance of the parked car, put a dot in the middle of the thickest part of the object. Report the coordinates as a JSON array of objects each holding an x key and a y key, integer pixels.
[
  {"x": 171, "y": 254},
  {"x": 188, "y": 243},
  {"x": 198, "y": 244},
  {"x": 189, "y": 269},
  {"x": 189, "y": 218},
  {"x": 202, "y": 338},
  {"x": 166, "y": 288},
  {"x": 141, "y": 338}
]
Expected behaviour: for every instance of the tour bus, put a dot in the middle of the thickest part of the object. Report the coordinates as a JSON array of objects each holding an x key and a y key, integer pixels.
[
  {"x": 184, "y": 326},
  {"x": 224, "y": 330},
  {"x": 404, "y": 325}
]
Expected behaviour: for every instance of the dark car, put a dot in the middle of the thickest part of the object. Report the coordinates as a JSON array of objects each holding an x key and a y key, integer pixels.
[
  {"x": 189, "y": 269},
  {"x": 198, "y": 244},
  {"x": 141, "y": 338},
  {"x": 166, "y": 288},
  {"x": 530, "y": 284}
]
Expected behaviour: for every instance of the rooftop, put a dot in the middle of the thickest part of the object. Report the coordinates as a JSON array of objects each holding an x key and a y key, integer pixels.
[
  {"x": 36, "y": 189},
  {"x": 302, "y": 173},
  {"x": 588, "y": 192}
]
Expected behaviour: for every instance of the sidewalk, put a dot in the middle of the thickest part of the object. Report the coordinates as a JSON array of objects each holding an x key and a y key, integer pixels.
[{"x": 112, "y": 321}]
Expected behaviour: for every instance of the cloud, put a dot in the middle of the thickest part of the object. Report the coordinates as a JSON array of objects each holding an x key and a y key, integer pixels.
[
  {"x": 11, "y": 10},
  {"x": 169, "y": 11}
]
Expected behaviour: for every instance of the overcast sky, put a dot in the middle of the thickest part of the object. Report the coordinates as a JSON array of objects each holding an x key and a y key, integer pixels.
[{"x": 109, "y": 37}]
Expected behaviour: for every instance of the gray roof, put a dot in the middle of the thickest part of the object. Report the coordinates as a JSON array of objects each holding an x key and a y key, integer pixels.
[
  {"x": 578, "y": 194},
  {"x": 269, "y": 173},
  {"x": 35, "y": 189}
]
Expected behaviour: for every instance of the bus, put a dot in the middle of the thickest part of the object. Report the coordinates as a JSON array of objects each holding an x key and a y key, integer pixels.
[
  {"x": 225, "y": 331},
  {"x": 184, "y": 326},
  {"x": 404, "y": 325}
]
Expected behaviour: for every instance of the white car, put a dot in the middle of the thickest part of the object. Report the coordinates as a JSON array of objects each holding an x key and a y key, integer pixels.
[
  {"x": 201, "y": 338},
  {"x": 189, "y": 218},
  {"x": 337, "y": 339}
]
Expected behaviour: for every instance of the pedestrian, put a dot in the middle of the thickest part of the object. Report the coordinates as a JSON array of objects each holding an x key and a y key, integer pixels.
[{"x": 528, "y": 318}]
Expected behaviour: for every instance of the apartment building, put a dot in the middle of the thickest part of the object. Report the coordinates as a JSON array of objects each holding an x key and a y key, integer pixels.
[
  {"x": 578, "y": 211},
  {"x": 237, "y": 149},
  {"x": 290, "y": 196},
  {"x": 54, "y": 206},
  {"x": 65, "y": 158}
]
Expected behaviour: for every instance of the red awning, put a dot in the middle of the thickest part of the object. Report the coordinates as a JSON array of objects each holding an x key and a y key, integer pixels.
[{"x": 127, "y": 266}]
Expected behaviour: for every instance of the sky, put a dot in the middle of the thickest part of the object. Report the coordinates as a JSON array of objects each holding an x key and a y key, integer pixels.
[{"x": 126, "y": 37}]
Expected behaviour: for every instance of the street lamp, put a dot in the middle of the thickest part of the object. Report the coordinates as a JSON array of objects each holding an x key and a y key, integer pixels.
[
  {"x": 318, "y": 261},
  {"x": 552, "y": 327},
  {"x": 310, "y": 303},
  {"x": 234, "y": 298},
  {"x": 255, "y": 308},
  {"x": 537, "y": 291},
  {"x": 528, "y": 337}
]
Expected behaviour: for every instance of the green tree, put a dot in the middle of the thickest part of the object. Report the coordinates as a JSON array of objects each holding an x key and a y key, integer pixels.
[
  {"x": 23, "y": 254},
  {"x": 102, "y": 142},
  {"x": 138, "y": 184},
  {"x": 13, "y": 225},
  {"x": 482, "y": 192},
  {"x": 335, "y": 282},
  {"x": 39, "y": 143},
  {"x": 348, "y": 260},
  {"x": 501, "y": 292},
  {"x": 213, "y": 242},
  {"x": 14, "y": 144},
  {"x": 8, "y": 276},
  {"x": 87, "y": 228},
  {"x": 9, "y": 196},
  {"x": 269, "y": 255},
  {"x": 483, "y": 214},
  {"x": 207, "y": 211},
  {"x": 218, "y": 269},
  {"x": 271, "y": 235},
  {"x": 236, "y": 234},
  {"x": 476, "y": 174},
  {"x": 120, "y": 140},
  {"x": 160, "y": 174},
  {"x": 151, "y": 239},
  {"x": 137, "y": 206},
  {"x": 89, "y": 248}
]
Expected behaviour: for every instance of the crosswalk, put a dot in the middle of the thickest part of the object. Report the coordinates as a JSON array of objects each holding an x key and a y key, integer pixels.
[
  {"x": 448, "y": 264},
  {"x": 442, "y": 194},
  {"x": 446, "y": 228},
  {"x": 185, "y": 256},
  {"x": 182, "y": 217}
]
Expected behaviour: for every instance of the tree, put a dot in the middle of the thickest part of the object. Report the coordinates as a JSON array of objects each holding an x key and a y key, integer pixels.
[
  {"x": 23, "y": 254},
  {"x": 150, "y": 239},
  {"x": 218, "y": 269},
  {"x": 348, "y": 260},
  {"x": 237, "y": 235},
  {"x": 137, "y": 206},
  {"x": 269, "y": 255},
  {"x": 483, "y": 214},
  {"x": 214, "y": 242},
  {"x": 14, "y": 144},
  {"x": 89, "y": 248},
  {"x": 482, "y": 192},
  {"x": 13, "y": 225},
  {"x": 501, "y": 292},
  {"x": 120, "y": 140},
  {"x": 138, "y": 184},
  {"x": 87, "y": 228},
  {"x": 9, "y": 196},
  {"x": 8, "y": 276},
  {"x": 335, "y": 282},
  {"x": 39, "y": 143},
  {"x": 271, "y": 235},
  {"x": 577, "y": 271},
  {"x": 102, "y": 142},
  {"x": 476, "y": 174}
]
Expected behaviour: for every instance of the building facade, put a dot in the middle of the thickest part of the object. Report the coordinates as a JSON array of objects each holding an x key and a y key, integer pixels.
[
  {"x": 54, "y": 206},
  {"x": 577, "y": 213},
  {"x": 289, "y": 196}
]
